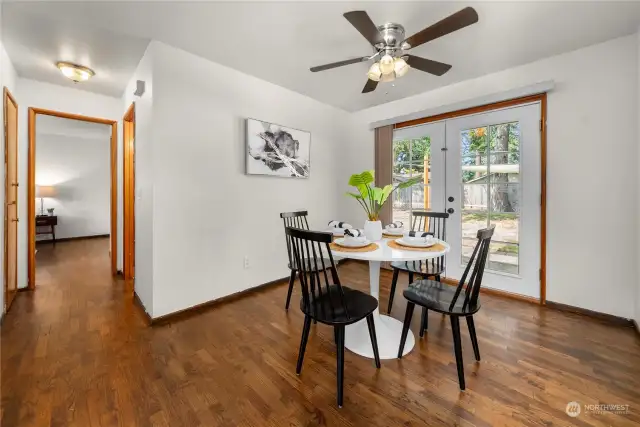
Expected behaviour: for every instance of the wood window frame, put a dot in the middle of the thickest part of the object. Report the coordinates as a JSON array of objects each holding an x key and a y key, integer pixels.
[
  {"x": 31, "y": 186},
  {"x": 542, "y": 99}
]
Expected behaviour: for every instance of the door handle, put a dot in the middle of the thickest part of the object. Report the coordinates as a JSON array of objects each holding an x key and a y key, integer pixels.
[
  {"x": 451, "y": 199},
  {"x": 450, "y": 210},
  {"x": 15, "y": 219},
  {"x": 14, "y": 184}
]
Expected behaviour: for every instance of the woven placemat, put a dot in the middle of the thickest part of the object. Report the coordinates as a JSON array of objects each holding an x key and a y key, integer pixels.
[
  {"x": 369, "y": 248},
  {"x": 438, "y": 247},
  {"x": 390, "y": 236}
]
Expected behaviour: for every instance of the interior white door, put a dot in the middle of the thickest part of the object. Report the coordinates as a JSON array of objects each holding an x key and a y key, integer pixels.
[
  {"x": 418, "y": 150},
  {"x": 493, "y": 178}
]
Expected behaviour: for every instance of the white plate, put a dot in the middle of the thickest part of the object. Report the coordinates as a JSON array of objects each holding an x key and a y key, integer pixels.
[
  {"x": 394, "y": 231},
  {"x": 336, "y": 231},
  {"x": 351, "y": 244},
  {"x": 416, "y": 244}
]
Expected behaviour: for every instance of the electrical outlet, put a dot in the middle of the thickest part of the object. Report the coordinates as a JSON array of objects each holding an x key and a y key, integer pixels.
[{"x": 246, "y": 262}]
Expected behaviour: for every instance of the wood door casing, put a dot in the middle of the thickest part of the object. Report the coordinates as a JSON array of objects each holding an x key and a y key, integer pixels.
[
  {"x": 11, "y": 199},
  {"x": 128, "y": 142},
  {"x": 33, "y": 112}
]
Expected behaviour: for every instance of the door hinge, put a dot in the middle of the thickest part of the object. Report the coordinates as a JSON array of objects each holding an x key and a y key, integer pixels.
[
  {"x": 540, "y": 274},
  {"x": 444, "y": 149}
]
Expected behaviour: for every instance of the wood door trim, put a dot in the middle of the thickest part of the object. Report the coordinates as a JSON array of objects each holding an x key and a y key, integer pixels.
[
  {"x": 542, "y": 99},
  {"x": 128, "y": 202},
  {"x": 31, "y": 185},
  {"x": 5, "y": 276}
]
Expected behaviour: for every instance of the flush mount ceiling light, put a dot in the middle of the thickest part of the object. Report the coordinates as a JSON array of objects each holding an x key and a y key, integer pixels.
[
  {"x": 75, "y": 72},
  {"x": 390, "y": 46}
]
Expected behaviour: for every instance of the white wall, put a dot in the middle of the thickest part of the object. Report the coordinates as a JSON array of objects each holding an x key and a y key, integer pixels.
[
  {"x": 31, "y": 93},
  {"x": 144, "y": 130},
  {"x": 79, "y": 169},
  {"x": 592, "y": 162},
  {"x": 8, "y": 80},
  {"x": 207, "y": 214}
]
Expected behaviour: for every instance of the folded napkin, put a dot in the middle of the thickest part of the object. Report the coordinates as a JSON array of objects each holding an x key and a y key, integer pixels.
[
  {"x": 419, "y": 234},
  {"x": 353, "y": 232},
  {"x": 395, "y": 224},
  {"x": 339, "y": 224}
]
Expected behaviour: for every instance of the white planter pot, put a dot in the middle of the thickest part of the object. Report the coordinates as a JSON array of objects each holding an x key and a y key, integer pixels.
[{"x": 373, "y": 230}]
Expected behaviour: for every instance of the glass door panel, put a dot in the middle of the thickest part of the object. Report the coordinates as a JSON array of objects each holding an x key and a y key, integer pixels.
[{"x": 418, "y": 151}]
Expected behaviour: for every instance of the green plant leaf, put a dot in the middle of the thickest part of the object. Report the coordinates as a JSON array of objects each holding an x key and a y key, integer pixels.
[
  {"x": 364, "y": 191},
  {"x": 354, "y": 195},
  {"x": 377, "y": 195},
  {"x": 411, "y": 181},
  {"x": 363, "y": 178},
  {"x": 386, "y": 191}
]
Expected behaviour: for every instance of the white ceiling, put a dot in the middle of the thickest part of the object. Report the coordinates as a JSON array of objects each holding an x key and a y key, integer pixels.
[
  {"x": 35, "y": 41},
  {"x": 278, "y": 42},
  {"x": 58, "y": 126}
]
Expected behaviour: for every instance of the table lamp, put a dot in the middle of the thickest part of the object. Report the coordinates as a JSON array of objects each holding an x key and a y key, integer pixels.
[{"x": 43, "y": 191}]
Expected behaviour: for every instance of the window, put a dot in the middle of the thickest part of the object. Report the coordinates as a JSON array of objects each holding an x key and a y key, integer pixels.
[
  {"x": 490, "y": 191},
  {"x": 411, "y": 157}
]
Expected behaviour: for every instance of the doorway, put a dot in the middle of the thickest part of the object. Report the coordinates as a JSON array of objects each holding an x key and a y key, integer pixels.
[
  {"x": 128, "y": 191},
  {"x": 31, "y": 185},
  {"x": 484, "y": 167},
  {"x": 11, "y": 199}
]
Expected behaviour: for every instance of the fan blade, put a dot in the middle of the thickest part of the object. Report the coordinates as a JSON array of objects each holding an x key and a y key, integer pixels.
[
  {"x": 457, "y": 21},
  {"x": 427, "y": 65},
  {"x": 370, "y": 86},
  {"x": 338, "y": 64},
  {"x": 364, "y": 24}
]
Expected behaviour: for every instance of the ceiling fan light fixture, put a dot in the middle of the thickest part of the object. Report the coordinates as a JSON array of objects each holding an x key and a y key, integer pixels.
[
  {"x": 400, "y": 67},
  {"x": 388, "y": 77},
  {"x": 386, "y": 64},
  {"x": 374, "y": 72},
  {"x": 75, "y": 72}
]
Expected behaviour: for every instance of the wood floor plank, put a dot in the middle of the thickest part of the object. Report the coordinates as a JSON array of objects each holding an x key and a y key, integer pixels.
[{"x": 78, "y": 352}]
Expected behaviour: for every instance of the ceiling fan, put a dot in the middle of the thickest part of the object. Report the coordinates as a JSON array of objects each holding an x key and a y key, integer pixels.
[{"x": 390, "y": 45}]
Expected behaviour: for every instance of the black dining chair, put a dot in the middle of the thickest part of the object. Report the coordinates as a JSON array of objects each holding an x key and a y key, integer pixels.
[
  {"x": 331, "y": 304},
  {"x": 296, "y": 219},
  {"x": 431, "y": 295},
  {"x": 435, "y": 223}
]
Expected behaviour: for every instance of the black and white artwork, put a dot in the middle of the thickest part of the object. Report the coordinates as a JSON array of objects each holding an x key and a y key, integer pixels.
[{"x": 277, "y": 150}]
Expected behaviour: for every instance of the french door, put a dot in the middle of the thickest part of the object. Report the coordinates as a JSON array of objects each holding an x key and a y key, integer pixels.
[
  {"x": 493, "y": 178},
  {"x": 484, "y": 169}
]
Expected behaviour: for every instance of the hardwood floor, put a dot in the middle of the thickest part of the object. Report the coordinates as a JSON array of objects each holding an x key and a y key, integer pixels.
[{"x": 77, "y": 352}]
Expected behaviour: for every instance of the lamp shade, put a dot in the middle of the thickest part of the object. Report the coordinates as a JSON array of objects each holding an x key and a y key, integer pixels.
[
  {"x": 45, "y": 191},
  {"x": 400, "y": 67},
  {"x": 386, "y": 64}
]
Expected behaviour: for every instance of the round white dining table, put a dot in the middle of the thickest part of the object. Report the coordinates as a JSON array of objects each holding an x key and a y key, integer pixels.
[{"x": 388, "y": 329}]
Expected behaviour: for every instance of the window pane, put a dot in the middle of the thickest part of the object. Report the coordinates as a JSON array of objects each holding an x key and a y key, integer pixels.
[
  {"x": 474, "y": 197},
  {"x": 503, "y": 257},
  {"x": 490, "y": 177},
  {"x": 471, "y": 223},
  {"x": 411, "y": 157},
  {"x": 505, "y": 198},
  {"x": 401, "y": 172},
  {"x": 504, "y": 193}
]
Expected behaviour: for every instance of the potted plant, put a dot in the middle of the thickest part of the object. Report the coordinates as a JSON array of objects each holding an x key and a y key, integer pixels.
[{"x": 373, "y": 198}]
